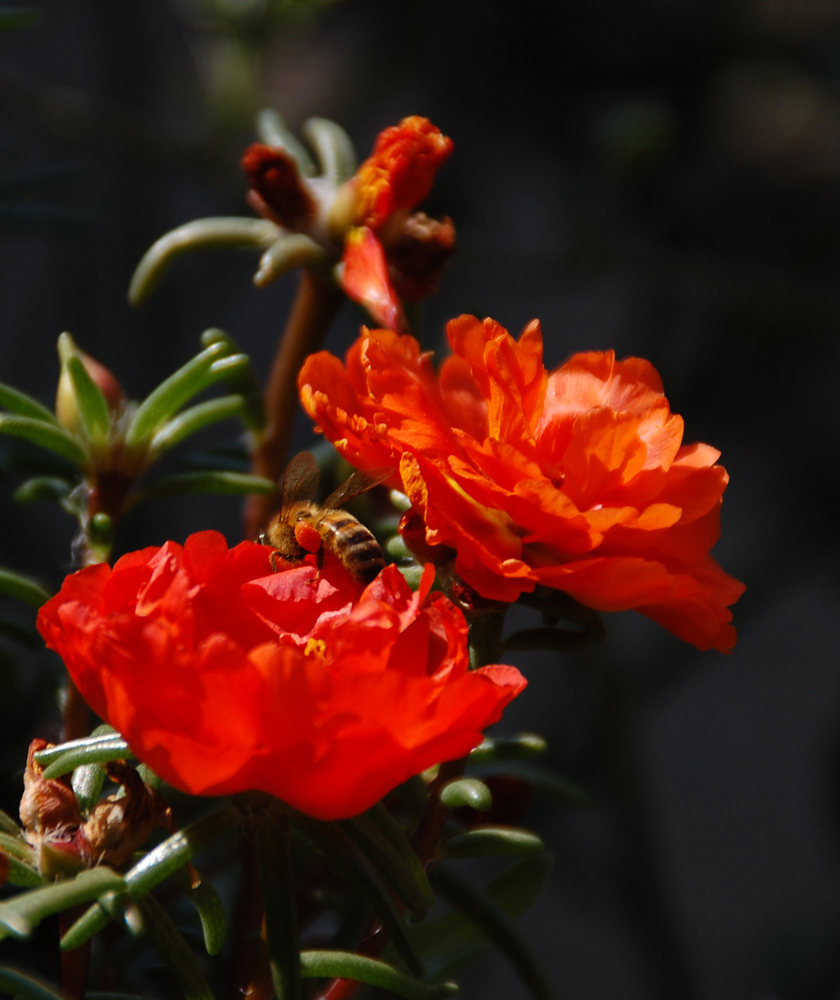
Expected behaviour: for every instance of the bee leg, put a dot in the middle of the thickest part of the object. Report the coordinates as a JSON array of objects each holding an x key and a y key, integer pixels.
[{"x": 273, "y": 561}]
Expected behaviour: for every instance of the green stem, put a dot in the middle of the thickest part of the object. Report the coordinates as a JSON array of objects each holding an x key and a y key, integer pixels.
[
  {"x": 278, "y": 886},
  {"x": 312, "y": 313}
]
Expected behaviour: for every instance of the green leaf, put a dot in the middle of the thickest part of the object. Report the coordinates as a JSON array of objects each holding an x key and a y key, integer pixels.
[
  {"x": 333, "y": 844},
  {"x": 549, "y": 783},
  {"x": 288, "y": 252},
  {"x": 21, "y": 914},
  {"x": 408, "y": 881},
  {"x": 49, "y": 488},
  {"x": 87, "y": 782},
  {"x": 448, "y": 941},
  {"x": 91, "y": 922},
  {"x": 272, "y": 130},
  {"x": 333, "y": 148},
  {"x": 278, "y": 885},
  {"x": 24, "y": 984},
  {"x": 22, "y": 588},
  {"x": 347, "y": 965},
  {"x": 491, "y": 841},
  {"x": 177, "y": 850},
  {"x": 48, "y": 436},
  {"x": 174, "y": 392},
  {"x": 194, "y": 419},
  {"x": 202, "y": 234},
  {"x": 93, "y": 407},
  {"x": 467, "y": 792},
  {"x": 211, "y": 913},
  {"x": 149, "y": 777},
  {"x": 25, "y": 406},
  {"x": 243, "y": 382},
  {"x": 234, "y": 483},
  {"x": 175, "y": 951},
  {"x": 9, "y": 826},
  {"x": 380, "y": 818},
  {"x": 17, "y": 846},
  {"x": 91, "y": 750},
  {"x": 22, "y": 874},
  {"x": 498, "y": 927},
  {"x": 523, "y": 745}
]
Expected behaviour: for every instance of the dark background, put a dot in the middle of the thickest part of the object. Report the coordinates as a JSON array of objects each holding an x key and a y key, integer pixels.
[{"x": 658, "y": 177}]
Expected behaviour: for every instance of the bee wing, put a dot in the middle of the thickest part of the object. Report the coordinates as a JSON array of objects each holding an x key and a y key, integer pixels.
[
  {"x": 359, "y": 482},
  {"x": 300, "y": 480}
]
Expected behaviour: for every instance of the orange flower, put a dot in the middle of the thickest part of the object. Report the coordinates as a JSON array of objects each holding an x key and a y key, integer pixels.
[
  {"x": 576, "y": 480},
  {"x": 386, "y": 253},
  {"x": 224, "y": 677}
]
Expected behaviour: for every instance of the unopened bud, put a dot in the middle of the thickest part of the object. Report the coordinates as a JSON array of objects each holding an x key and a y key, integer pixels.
[{"x": 66, "y": 403}]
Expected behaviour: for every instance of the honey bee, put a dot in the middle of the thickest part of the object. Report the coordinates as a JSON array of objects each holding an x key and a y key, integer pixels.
[{"x": 302, "y": 526}]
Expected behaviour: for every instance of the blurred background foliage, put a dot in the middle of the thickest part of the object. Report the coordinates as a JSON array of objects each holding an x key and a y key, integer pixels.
[{"x": 657, "y": 176}]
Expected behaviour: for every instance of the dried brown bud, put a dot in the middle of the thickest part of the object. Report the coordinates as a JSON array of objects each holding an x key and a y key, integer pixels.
[
  {"x": 118, "y": 826},
  {"x": 50, "y": 816}
]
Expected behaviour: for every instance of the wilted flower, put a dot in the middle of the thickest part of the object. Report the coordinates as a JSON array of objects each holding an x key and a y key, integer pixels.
[
  {"x": 224, "y": 677},
  {"x": 358, "y": 224},
  {"x": 577, "y": 480}
]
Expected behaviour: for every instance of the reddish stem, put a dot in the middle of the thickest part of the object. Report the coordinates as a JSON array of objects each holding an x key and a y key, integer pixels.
[
  {"x": 313, "y": 311},
  {"x": 76, "y": 713},
  {"x": 74, "y": 964}
]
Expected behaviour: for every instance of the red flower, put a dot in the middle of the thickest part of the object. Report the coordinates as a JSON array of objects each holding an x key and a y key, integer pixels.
[
  {"x": 386, "y": 253},
  {"x": 224, "y": 677},
  {"x": 577, "y": 480}
]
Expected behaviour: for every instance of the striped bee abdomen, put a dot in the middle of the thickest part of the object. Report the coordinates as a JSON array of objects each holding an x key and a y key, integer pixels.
[{"x": 352, "y": 544}]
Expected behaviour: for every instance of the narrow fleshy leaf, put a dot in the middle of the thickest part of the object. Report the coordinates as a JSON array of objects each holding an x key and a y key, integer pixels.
[
  {"x": 278, "y": 885},
  {"x": 22, "y": 588},
  {"x": 491, "y": 841},
  {"x": 549, "y": 783},
  {"x": 23, "y": 984},
  {"x": 100, "y": 752},
  {"x": 272, "y": 130},
  {"x": 446, "y": 942},
  {"x": 233, "y": 483},
  {"x": 91, "y": 922},
  {"x": 295, "y": 250},
  {"x": 49, "y": 436},
  {"x": 21, "y": 914},
  {"x": 497, "y": 925},
  {"x": 87, "y": 785},
  {"x": 18, "y": 402},
  {"x": 22, "y": 874},
  {"x": 148, "y": 775},
  {"x": 175, "y": 951},
  {"x": 244, "y": 382},
  {"x": 396, "y": 548},
  {"x": 467, "y": 792},
  {"x": 209, "y": 906},
  {"x": 9, "y": 826},
  {"x": 330, "y": 841},
  {"x": 523, "y": 745},
  {"x": 174, "y": 392},
  {"x": 102, "y": 734},
  {"x": 333, "y": 148},
  {"x": 348, "y": 965},
  {"x": 194, "y": 419},
  {"x": 17, "y": 846},
  {"x": 388, "y": 827},
  {"x": 202, "y": 234},
  {"x": 93, "y": 407},
  {"x": 49, "y": 488},
  {"x": 408, "y": 881},
  {"x": 177, "y": 850}
]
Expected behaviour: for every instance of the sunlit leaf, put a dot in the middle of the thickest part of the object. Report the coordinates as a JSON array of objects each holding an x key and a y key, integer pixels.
[
  {"x": 194, "y": 419},
  {"x": 467, "y": 792},
  {"x": 93, "y": 407},
  {"x": 208, "y": 905},
  {"x": 92, "y": 750}
]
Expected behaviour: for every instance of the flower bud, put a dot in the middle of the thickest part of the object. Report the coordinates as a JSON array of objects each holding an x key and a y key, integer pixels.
[{"x": 66, "y": 402}]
